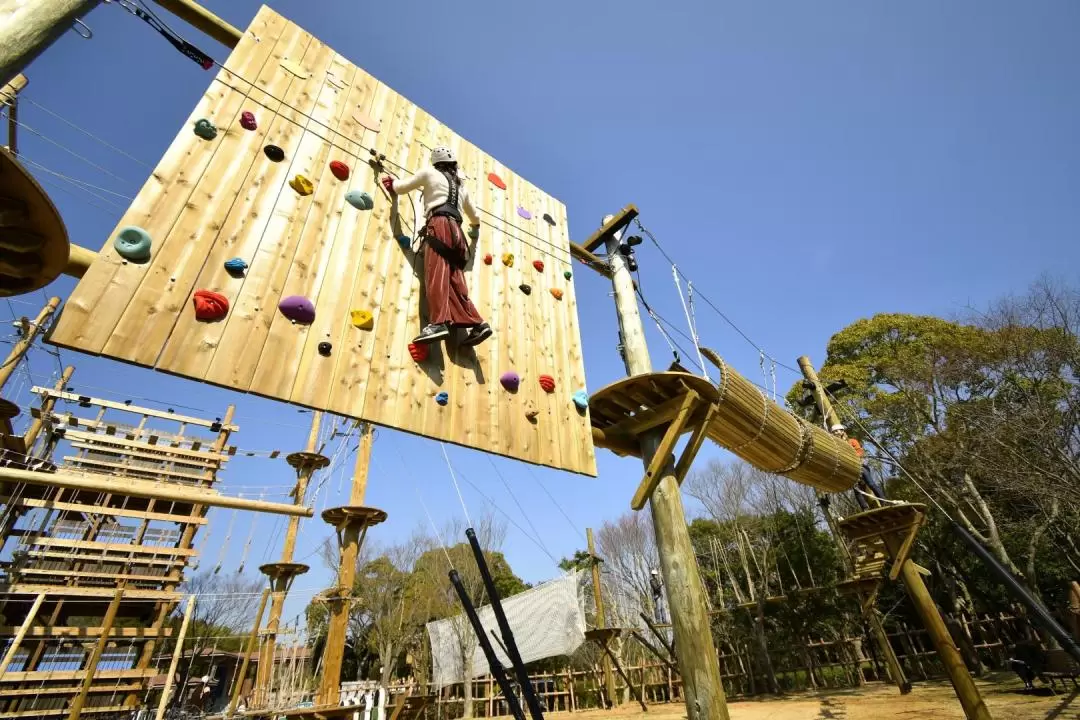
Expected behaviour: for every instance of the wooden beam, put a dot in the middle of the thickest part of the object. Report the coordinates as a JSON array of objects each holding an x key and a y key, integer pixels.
[
  {"x": 72, "y": 460},
  {"x": 614, "y": 224},
  {"x": 90, "y": 671},
  {"x": 177, "y": 652},
  {"x": 691, "y": 450},
  {"x": 618, "y": 445},
  {"x": 42, "y": 319},
  {"x": 113, "y": 547},
  {"x": 149, "y": 489},
  {"x": 653, "y": 475},
  {"x": 595, "y": 263},
  {"x": 21, "y": 633},
  {"x": 103, "y": 510},
  {"x": 203, "y": 20},
  {"x": 97, "y": 439},
  {"x": 92, "y": 575},
  {"x": 161, "y": 414},
  {"x": 130, "y": 594},
  {"x": 103, "y": 559},
  {"x": 56, "y": 712},
  {"x": 45, "y": 676},
  {"x": 75, "y": 632},
  {"x": 70, "y": 690},
  {"x": 648, "y": 419},
  {"x": 13, "y": 88}
]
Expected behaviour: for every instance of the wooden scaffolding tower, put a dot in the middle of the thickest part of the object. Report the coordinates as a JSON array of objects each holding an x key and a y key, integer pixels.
[{"x": 88, "y": 578}]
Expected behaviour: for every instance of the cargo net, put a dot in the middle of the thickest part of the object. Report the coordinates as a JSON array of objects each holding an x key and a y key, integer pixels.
[{"x": 547, "y": 620}]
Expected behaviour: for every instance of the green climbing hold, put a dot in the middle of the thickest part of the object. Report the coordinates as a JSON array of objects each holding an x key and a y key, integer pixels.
[
  {"x": 205, "y": 129},
  {"x": 568, "y": 274},
  {"x": 133, "y": 243},
  {"x": 359, "y": 200}
]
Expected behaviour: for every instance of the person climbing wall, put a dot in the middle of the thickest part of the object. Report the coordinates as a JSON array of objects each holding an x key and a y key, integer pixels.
[{"x": 445, "y": 248}]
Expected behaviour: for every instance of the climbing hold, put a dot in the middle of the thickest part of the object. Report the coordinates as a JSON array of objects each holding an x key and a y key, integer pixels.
[
  {"x": 548, "y": 383},
  {"x": 508, "y": 259},
  {"x": 325, "y": 348},
  {"x": 581, "y": 400},
  {"x": 487, "y": 259},
  {"x": 496, "y": 181},
  {"x": 236, "y": 267},
  {"x": 302, "y": 185},
  {"x": 556, "y": 293},
  {"x": 419, "y": 351},
  {"x": 340, "y": 170},
  {"x": 531, "y": 414},
  {"x": 527, "y": 289},
  {"x": 442, "y": 398},
  {"x": 404, "y": 241},
  {"x": 510, "y": 380},
  {"x": 205, "y": 129},
  {"x": 366, "y": 120},
  {"x": 298, "y": 309},
  {"x": 363, "y": 319},
  {"x": 524, "y": 213},
  {"x": 567, "y": 274},
  {"x": 295, "y": 68},
  {"x": 539, "y": 265},
  {"x": 359, "y": 199},
  {"x": 275, "y": 153},
  {"x": 549, "y": 220},
  {"x": 247, "y": 120},
  {"x": 210, "y": 305},
  {"x": 133, "y": 243}
]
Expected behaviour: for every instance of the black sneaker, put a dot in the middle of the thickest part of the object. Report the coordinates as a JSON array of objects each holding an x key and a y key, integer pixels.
[
  {"x": 432, "y": 333},
  {"x": 478, "y": 334}
]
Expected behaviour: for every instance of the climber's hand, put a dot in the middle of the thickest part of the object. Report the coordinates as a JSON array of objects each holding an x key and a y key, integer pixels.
[
  {"x": 388, "y": 183},
  {"x": 474, "y": 232}
]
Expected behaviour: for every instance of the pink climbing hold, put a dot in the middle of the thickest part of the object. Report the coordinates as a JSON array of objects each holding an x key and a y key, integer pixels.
[
  {"x": 524, "y": 213},
  {"x": 247, "y": 120},
  {"x": 298, "y": 309},
  {"x": 496, "y": 181},
  {"x": 510, "y": 380}
]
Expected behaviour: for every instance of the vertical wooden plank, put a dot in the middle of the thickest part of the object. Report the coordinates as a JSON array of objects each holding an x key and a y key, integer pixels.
[
  {"x": 166, "y": 287},
  {"x": 247, "y": 326},
  {"x": 91, "y": 313}
]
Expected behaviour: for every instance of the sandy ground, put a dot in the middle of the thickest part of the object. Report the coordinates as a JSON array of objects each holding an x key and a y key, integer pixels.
[{"x": 928, "y": 701}]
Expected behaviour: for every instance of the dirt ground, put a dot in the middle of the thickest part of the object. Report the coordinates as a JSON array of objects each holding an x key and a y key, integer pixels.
[{"x": 928, "y": 701}]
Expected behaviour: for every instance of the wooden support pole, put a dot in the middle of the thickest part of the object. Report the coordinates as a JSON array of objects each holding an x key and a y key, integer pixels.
[
  {"x": 20, "y": 348},
  {"x": 178, "y": 651},
  {"x": 28, "y": 27},
  {"x": 47, "y": 405},
  {"x": 150, "y": 489},
  {"x": 95, "y": 656},
  {"x": 17, "y": 640},
  {"x": 827, "y": 411},
  {"x": 703, "y": 691},
  {"x": 202, "y": 19},
  {"x": 249, "y": 647},
  {"x": 601, "y": 619},
  {"x": 9, "y": 96},
  {"x": 363, "y": 462}
]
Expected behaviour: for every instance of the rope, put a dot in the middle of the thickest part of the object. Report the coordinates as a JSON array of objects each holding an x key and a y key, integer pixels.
[
  {"x": 456, "y": 486},
  {"x": 68, "y": 150},
  {"x": 689, "y": 317},
  {"x": 64, "y": 120}
]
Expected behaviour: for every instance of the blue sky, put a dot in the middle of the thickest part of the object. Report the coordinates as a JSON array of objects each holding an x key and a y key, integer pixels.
[{"x": 807, "y": 164}]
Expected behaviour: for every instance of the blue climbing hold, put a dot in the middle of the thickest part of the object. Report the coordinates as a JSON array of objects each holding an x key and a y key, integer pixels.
[
  {"x": 236, "y": 267},
  {"x": 359, "y": 200},
  {"x": 404, "y": 241},
  {"x": 205, "y": 129},
  {"x": 442, "y": 398},
  {"x": 581, "y": 400},
  {"x": 133, "y": 243}
]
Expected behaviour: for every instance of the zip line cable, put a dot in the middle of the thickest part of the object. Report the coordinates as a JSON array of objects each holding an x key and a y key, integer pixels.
[
  {"x": 457, "y": 487},
  {"x": 536, "y": 533},
  {"x": 84, "y": 131},
  {"x": 68, "y": 150}
]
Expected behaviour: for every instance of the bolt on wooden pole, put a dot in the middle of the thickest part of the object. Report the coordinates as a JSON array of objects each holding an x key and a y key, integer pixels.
[
  {"x": 95, "y": 656},
  {"x": 178, "y": 651},
  {"x": 31, "y": 333},
  {"x": 601, "y": 620},
  {"x": 966, "y": 691},
  {"x": 694, "y": 648}
]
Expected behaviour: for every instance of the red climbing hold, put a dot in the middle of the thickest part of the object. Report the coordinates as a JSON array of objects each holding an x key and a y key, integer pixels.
[
  {"x": 418, "y": 351},
  {"x": 548, "y": 383},
  {"x": 210, "y": 305},
  {"x": 496, "y": 181},
  {"x": 487, "y": 259},
  {"x": 539, "y": 265},
  {"x": 247, "y": 120},
  {"x": 340, "y": 170}
]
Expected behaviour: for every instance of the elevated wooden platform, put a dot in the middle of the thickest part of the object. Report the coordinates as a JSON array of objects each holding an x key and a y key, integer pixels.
[
  {"x": 33, "y": 240},
  {"x": 882, "y": 533}
]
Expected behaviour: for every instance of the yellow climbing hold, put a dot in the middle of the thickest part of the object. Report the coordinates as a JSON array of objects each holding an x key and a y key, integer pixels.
[
  {"x": 363, "y": 319},
  {"x": 508, "y": 259},
  {"x": 302, "y": 185}
]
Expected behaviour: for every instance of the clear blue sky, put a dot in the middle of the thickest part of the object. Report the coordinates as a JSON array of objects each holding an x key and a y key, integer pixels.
[{"x": 806, "y": 163}]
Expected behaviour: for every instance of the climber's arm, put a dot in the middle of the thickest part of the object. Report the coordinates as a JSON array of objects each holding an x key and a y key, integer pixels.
[
  {"x": 406, "y": 185},
  {"x": 467, "y": 206}
]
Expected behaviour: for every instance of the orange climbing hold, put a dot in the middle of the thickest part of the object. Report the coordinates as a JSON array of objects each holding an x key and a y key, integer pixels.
[
  {"x": 496, "y": 181},
  {"x": 548, "y": 383},
  {"x": 340, "y": 170},
  {"x": 539, "y": 265},
  {"x": 209, "y": 305},
  {"x": 419, "y": 351},
  {"x": 556, "y": 293}
]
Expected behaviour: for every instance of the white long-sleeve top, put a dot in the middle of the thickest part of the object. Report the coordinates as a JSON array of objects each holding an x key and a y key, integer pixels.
[{"x": 436, "y": 192}]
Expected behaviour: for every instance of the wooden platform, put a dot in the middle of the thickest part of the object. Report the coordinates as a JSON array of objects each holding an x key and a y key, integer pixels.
[
  {"x": 883, "y": 533},
  {"x": 33, "y": 240}
]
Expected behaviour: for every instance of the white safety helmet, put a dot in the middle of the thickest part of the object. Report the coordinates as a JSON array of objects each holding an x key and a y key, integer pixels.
[{"x": 442, "y": 154}]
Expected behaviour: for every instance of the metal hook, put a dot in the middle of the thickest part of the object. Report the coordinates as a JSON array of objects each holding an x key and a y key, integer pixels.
[{"x": 80, "y": 24}]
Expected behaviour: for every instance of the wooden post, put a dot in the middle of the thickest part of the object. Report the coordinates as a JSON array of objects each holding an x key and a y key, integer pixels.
[
  {"x": 349, "y": 538},
  {"x": 9, "y": 96},
  {"x": 21, "y": 633},
  {"x": 966, "y": 690},
  {"x": 46, "y": 408},
  {"x": 99, "y": 647},
  {"x": 31, "y": 26},
  {"x": 700, "y": 671},
  {"x": 17, "y": 352},
  {"x": 203, "y": 20},
  {"x": 249, "y": 647},
  {"x": 178, "y": 651},
  {"x": 601, "y": 621}
]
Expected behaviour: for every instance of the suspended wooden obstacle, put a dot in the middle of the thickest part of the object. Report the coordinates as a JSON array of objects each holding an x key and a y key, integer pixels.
[
  {"x": 34, "y": 243},
  {"x": 733, "y": 413},
  {"x": 883, "y": 531}
]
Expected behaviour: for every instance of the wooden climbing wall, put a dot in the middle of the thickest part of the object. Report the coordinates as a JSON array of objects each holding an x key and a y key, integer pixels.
[{"x": 212, "y": 200}]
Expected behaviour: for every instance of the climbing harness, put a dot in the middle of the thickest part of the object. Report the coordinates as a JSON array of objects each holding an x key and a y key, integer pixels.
[
  {"x": 186, "y": 48},
  {"x": 450, "y": 210}
]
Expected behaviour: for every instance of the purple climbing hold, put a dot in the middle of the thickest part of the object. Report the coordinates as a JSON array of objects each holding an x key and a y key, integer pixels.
[
  {"x": 510, "y": 380},
  {"x": 524, "y": 213},
  {"x": 298, "y": 309}
]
